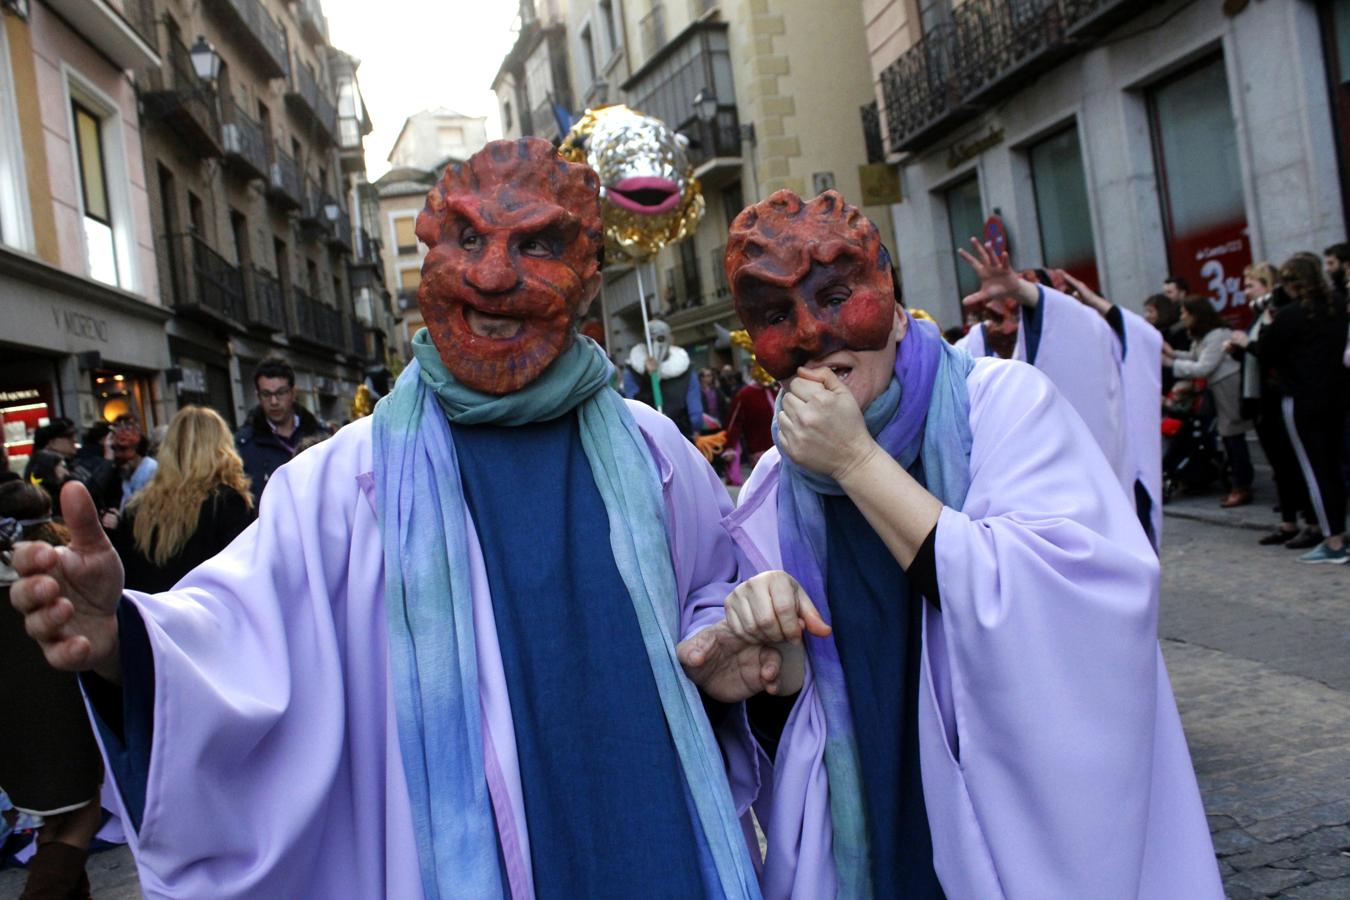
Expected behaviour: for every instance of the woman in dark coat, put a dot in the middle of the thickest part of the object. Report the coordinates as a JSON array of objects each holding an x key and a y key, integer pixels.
[
  {"x": 49, "y": 764},
  {"x": 196, "y": 504}
]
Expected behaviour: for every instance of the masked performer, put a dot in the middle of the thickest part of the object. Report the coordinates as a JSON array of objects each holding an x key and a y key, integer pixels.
[
  {"x": 983, "y": 709},
  {"x": 1030, "y": 321},
  {"x": 442, "y": 661},
  {"x": 666, "y": 367}
]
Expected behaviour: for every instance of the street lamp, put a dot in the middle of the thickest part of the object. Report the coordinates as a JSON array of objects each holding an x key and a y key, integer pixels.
[
  {"x": 205, "y": 60},
  {"x": 705, "y": 106}
]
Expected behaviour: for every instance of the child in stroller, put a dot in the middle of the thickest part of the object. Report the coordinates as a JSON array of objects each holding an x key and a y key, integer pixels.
[{"x": 1193, "y": 458}]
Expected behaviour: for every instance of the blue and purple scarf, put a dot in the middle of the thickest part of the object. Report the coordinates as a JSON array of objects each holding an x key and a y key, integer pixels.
[{"x": 923, "y": 414}]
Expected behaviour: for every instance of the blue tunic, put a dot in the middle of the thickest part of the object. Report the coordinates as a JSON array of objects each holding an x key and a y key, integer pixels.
[
  {"x": 605, "y": 798},
  {"x": 878, "y": 630}
]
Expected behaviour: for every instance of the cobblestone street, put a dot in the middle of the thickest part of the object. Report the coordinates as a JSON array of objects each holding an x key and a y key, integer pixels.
[{"x": 1258, "y": 647}]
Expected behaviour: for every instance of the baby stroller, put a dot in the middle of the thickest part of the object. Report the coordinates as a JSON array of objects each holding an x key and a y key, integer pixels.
[{"x": 1193, "y": 458}]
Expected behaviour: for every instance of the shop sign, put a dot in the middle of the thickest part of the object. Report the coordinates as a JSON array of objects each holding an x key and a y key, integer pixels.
[
  {"x": 11, "y": 396},
  {"x": 880, "y": 183},
  {"x": 961, "y": 153},
  {"x": 194, "y": 378},
  {"x": 80, "y": 325},
  {"x": 1212, "y": 261}
]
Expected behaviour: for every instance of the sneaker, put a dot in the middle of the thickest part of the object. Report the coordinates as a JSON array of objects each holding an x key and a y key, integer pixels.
[
  {"x": 1309, "y": 537},
  {"x": 1278, "y": 536},
  {"x": 1324, "y": 554}
]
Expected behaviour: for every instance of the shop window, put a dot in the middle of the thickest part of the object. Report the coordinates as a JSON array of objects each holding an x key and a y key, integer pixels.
[
  {"x": 1204, "y": 214},
  {"x": 965, "y": 218},
  {"x": 405, "y": 234},
  {"x": 1062, "y": 210},
  {"x": 15, "y": 225}
]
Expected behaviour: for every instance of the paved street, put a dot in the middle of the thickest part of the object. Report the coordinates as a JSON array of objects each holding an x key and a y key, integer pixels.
[{"x": 1259, "y": 652}]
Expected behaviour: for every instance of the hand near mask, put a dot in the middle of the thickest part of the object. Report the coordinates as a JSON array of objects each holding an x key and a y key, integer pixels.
[
  {"x": 758, "y": 647},
  {"x": 821, "y": 428}
]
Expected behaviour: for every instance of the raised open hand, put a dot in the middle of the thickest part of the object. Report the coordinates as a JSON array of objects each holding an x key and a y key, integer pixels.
[
  {"x": 998, "y": 279},
  {"x": 68, "y": 595}
]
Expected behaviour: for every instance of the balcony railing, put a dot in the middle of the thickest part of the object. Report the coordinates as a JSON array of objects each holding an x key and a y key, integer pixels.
[
  {"x": 340, "y": 231},
  {"x": 245, "y": 145},
  {"x": 252, "y": 24},
  {"x": 721, "y": 290},
  {"x": 652, "y": 30},
  {"x": 368, "y": 252},
  {"x": 179, "y": 99},
  {"x": 695, "y": 60},
  {"x": 312, "y": 20},
  {"x": 308, "y": 98},
  {"x": 140, "y": 15},
  {"x": 407, "y": 299},
  {"x": 710, "y": 140},
  {"x": 986, "y": 52},
  {"x": 268, "y": 309},
  {"x": 316, "y": 322},
  {"x": 204, "y": 282},
  {"x": 285, "y": 187},
  {"x": 871, "y": 125}
]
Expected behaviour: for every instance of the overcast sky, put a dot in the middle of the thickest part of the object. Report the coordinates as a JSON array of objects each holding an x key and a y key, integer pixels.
[{"x": 420, "y": 54}]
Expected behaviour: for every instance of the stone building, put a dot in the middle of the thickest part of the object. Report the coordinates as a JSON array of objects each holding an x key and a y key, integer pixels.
[
  {"x": 428, "y": 141},
  {"x": 251, "y": 181},
  {"x": 764, "y": 107},
  {"x": 1121, "y": 140},
  {"x": 81, "y": 322}
]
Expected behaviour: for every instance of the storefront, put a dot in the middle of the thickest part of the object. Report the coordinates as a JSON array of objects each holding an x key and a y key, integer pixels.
[{"x": 70, "y": 347}]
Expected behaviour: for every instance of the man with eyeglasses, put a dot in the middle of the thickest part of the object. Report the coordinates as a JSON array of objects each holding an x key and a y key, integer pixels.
[{"x": 276, "y": 426}]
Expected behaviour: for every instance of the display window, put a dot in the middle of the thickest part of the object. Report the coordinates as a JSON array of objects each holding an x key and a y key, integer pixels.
[
  {"x": 23, "y": 410},
  {"x": 122, "y": 394}
]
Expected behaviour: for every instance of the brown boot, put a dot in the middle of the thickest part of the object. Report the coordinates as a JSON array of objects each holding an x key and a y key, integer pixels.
[
  {"x": 1236, "y": 497},
  {"x": 56, "y": 872}
]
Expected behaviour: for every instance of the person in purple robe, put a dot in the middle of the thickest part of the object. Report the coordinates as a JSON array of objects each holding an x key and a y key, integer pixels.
[
  {"x": 1078, "y": 350},
  {"x": 442, "y": 661},
  {"x": 972, "y": 701}
]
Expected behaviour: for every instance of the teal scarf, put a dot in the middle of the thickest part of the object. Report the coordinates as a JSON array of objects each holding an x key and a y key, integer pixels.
[{"x": 433, "y": 666}]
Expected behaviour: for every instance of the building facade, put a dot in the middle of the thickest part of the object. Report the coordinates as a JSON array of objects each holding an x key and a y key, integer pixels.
[
  {"x": 251, "y": 185},
  {"x": 776, "y": 113},
  {"x": 1122, "y": 141},
  {"x": 427, "y": 143},
  {"x": 81, "y": 322}
]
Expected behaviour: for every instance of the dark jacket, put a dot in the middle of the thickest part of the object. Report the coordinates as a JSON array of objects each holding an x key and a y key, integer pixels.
[
  {"x": 99, "y": 475},
  {"x": 224, "y": 513},
  {"x": 1302, "y": 351},
  {"x": 263, "y": 452}
]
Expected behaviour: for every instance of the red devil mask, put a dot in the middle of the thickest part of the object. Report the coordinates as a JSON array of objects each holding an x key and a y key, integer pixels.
[
  {"x": 515, "y": 239},
  {"x": 809, "y": 279}
]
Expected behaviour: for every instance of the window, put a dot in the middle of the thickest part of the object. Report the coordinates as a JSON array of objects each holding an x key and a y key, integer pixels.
[
  {"x": 102, "y": 186},
  {"x": 15, "y": 226},
  {"x": 451, "y": 138},
  {"x": 1062, "y": 210},
  {"x": 588, "y": 56},
  {"x": 409, "y": 279},
  {"x": 93, "y": 178},
  {"x": 405, "y": 234},
  {"x": 965, "y": 218},
  {"x": 506, "y": 114},
  {"x": 1204, "y": 212},
  {"x": 611, "y": 33}
]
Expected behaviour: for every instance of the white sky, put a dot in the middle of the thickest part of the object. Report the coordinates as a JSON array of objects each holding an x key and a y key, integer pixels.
[{"x": 420, "y": 54}]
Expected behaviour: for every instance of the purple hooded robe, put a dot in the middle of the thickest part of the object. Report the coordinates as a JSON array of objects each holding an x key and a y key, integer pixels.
[
  {"x": 1081, "y": 356},
  {"x": 1052, "y": 756},
  {"x": 275, "y": 769}
]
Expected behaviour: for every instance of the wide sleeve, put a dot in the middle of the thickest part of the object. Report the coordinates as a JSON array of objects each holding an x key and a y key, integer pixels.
[
  {"x": 247, "y": 788},
  {"x": 1043, "y": 659}
]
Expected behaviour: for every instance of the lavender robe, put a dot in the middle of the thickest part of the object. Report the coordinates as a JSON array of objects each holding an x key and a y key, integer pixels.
[
  {"x": 1141, "y": 378},
  {"x": 1081, "y": 355},
  {"x": 1053, "y": 759},
  {"x": 275, "y": 769}
]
